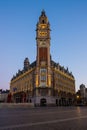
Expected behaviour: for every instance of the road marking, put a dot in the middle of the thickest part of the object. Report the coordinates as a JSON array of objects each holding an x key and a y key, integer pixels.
[{"x": 42, "y": 123}]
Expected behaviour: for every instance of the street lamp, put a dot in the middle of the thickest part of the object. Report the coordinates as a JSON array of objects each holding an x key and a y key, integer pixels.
[{"x": 77, "y": 96}]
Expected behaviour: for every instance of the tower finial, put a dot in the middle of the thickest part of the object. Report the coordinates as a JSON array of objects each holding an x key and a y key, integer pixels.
[{"x": 43, "y": 13}]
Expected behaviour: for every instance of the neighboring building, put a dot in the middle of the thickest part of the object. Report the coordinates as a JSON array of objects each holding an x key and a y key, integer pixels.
[
  {"x": 82, "y": 95},
  {"x": 3, "y": 95},
  {"x": 43, "y": 81},
  {"x": 83, "y": 91}
]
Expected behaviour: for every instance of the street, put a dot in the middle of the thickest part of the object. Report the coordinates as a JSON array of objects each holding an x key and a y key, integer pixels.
[{"x": 43, "y": 118}]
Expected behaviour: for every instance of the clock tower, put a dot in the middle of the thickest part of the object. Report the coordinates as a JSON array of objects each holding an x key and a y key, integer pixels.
[
  {"x": 43, "y": 72},
  {"x": 43, "y": 82}
]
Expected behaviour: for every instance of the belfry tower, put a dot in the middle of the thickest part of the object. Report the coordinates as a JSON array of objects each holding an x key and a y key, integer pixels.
[
  {"x": 43, "y": 82},
  {"x": 43, "y": 51},
  {"x": 43, "y": 72}
]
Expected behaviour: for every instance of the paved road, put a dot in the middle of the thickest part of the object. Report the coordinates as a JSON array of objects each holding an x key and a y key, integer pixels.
[{"x": 43, "y": 118}]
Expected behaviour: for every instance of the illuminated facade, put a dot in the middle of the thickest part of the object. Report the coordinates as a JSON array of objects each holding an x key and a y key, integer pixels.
[{"x": 43, "y": 82}]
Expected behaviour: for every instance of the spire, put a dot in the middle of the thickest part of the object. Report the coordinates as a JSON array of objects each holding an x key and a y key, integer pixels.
[
  {"x": 43, "y": 26},
  {"x": 26, "y": 64},
  {"x": 43, "y": 13},
  {"x": 43, "y": 18}
]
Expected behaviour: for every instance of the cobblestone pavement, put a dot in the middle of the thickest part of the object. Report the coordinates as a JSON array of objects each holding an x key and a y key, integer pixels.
[{"x": 43, "y": 118}]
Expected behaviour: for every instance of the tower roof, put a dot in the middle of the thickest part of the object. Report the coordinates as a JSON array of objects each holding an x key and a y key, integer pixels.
[
  {"x": 43, "y": 13},
  {"x": 43, "y": 18}
]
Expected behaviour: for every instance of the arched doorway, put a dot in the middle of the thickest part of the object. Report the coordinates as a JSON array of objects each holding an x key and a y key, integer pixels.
[{"x": 43, "y": 102}]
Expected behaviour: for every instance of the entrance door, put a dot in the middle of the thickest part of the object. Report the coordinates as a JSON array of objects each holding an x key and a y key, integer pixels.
[{"x": 43, "y": 102}]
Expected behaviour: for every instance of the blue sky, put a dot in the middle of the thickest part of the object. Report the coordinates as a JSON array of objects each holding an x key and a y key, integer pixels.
[{"x": 68, "y": 20}]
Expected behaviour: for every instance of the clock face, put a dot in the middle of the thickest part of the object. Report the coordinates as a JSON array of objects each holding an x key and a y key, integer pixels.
[{"x": 42, "y": 43}]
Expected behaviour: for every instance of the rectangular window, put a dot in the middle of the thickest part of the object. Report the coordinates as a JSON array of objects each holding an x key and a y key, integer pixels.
[{"x": 43, "y": 77}]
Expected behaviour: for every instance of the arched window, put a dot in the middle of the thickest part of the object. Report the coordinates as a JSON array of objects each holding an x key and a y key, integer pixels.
[{"x": 43, "y": 21}]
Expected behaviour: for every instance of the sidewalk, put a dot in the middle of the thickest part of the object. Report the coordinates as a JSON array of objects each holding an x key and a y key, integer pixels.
[{"x": 16, "y": 105}]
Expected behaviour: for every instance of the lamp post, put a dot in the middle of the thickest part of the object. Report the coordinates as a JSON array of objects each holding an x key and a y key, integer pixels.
[{"x": 78, "y": 100}]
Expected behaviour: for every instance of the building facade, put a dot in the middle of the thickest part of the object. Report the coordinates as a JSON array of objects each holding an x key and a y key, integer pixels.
[
  {"x": 81, "y": 95},
  {"x": 4, "y": 95},
  {"x": 43, "y": 82}
]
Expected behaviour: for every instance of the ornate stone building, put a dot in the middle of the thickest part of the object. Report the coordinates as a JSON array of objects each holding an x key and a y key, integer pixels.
[{"x": 43, "y": 82}]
